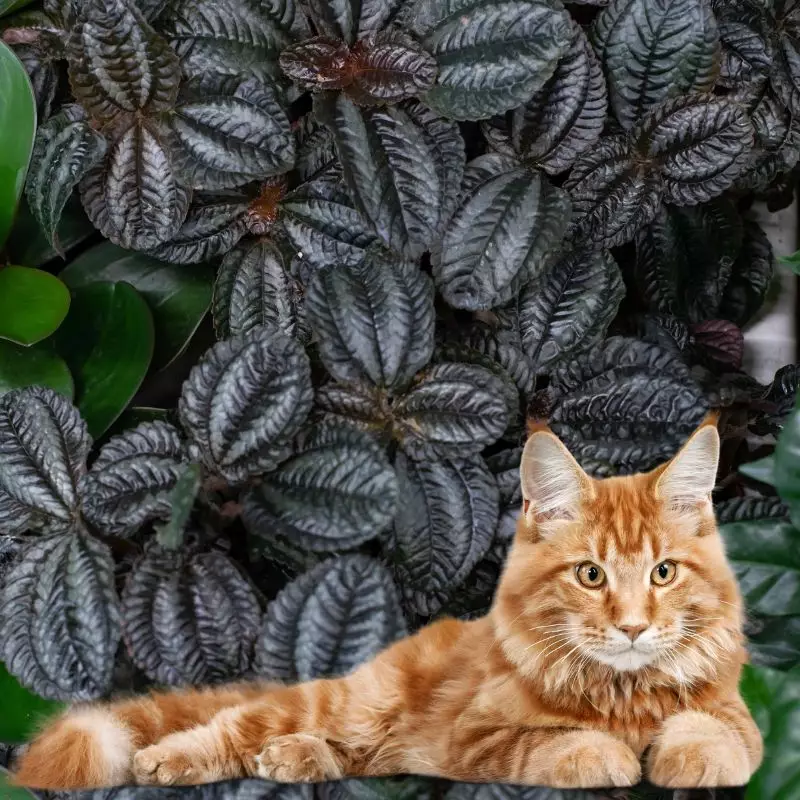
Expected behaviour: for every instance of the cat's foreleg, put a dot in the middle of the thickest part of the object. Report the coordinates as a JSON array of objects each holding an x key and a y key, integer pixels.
[
  {"x": 697, "y": 749},
  {"x": 560, "y": 758}
]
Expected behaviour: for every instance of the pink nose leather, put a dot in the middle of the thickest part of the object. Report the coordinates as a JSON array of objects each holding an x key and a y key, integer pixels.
[{"x": 633, "y": 631}]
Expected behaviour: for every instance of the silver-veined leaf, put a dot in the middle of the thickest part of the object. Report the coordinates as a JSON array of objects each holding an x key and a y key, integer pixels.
[
  {"x": 751, "y": 276},
  {"x": 330, "y": 620},
  {"x": 566, "y": 116},
  {"x": 624, "y": 406},
  {"x": 43, "y": 448},
  {"x": 253, "y": 288},
  {"x": 569, "y": 307},
  {"x": 746, "y": 45},
  {"x": 189, "y": 620},
  {"x": 135, "y": 198},
  {"x": 451, "y": 410},
  {"x": 492, "y": 56},
  {"x": 221, "y": 142},
  {"x": 59, "y": 617},
  {"x": 245, "y": 400},
  {"x": 374, "y": 320},
  {"x": 700, "y": 144},
  {"x": 131, "y": 479},
  {"x": 358, "y": 404},
  {"x": 509, "y": 222},
  {"x": 66, "y": 148},
  {"x": 444, "y": 526},
  {"x": 653, "y": 50},
  {"x": 402, "y": 165},
  {"x": 118, "y": 64},
  {"x": 337, "y": 492}
]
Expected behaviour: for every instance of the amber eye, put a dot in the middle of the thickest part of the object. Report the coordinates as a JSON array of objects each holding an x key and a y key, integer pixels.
[
  {"x": 664, "y": 573},
  {"x": 590, "y": 575}
]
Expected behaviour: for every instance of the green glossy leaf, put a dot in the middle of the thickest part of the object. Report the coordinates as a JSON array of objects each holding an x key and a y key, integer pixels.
[
  {"x": 765, "y": 554},
  {"x": 762, "y": 470},
  {"x": 774, "y": 700},
  {"x": 66, "y": 148},
  {"x": 178, "y": 296},
  {"x": 787, "y": 464},
  {"x": 10, "y": 792},
  {"x": 33, "y": 366},
  {"x": 117, "y": 63},
  {"x": 652, "y": 50},
  {"x": 402, "y": 164},
  {"x": 492, "y": 56},
  {"x": 170, "y": 535},
  {"x": 33, "y": 304},
  {"x": 17, "y": 129},
  {"x": 7, "y": 6},
  {"x": 107, "y": 341},
  {"x": 23, "y": 713},
  {"x": 792, "y": 261}
]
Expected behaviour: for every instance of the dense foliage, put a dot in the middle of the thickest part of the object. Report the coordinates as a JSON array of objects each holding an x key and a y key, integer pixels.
[{"x": 423, "y": 222}]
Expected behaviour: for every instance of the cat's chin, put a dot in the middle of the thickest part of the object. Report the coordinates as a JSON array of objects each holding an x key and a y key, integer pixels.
[{"x": 626, "y": 660}]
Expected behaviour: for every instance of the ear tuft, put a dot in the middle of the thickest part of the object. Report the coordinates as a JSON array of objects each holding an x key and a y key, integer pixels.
[
  {"x": 689, "y": 478},
  {"x": 553, "y": 484}
]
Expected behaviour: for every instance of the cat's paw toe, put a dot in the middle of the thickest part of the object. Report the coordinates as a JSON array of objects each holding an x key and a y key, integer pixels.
[
  {"x": 297, "y": 757},
  {"x": 696, "y": 750},
  {"x": 159, "y": 765},
  {"x": 595, "y": 760}
]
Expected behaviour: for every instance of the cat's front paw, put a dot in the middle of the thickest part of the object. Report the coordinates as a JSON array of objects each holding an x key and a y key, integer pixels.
[
  {"x": 298, "y": 758},
  {"x": 590, "y": 759},
  {"x": 695, "y": 750},
  {"x": 162, "y": 764}
]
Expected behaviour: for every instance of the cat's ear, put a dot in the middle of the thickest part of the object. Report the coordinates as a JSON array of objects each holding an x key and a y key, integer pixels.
[
  {"x": 687, "y": 481},
  {"x": 553, "y": 483}
]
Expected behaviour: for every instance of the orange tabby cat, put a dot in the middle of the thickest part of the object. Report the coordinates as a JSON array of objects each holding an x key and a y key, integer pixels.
[{"x": 616, "y": 628}]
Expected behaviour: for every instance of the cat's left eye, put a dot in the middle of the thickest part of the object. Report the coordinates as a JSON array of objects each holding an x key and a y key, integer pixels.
[{"x": 664, "y": 573}]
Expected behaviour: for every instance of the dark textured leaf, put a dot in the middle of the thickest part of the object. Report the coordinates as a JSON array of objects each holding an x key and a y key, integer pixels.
[
  {"x": 765, "y": 554},
  {"x": 213, "y": 226},
  {"x": 500, "y": 791},
  {"x": 751, "y": 276},
  {"x": 566, "y": 116},
  {"x": 444, "y": 526},
  {"x": 700, "y": 143},
  {"x": 118, "y": 63},
  {"x": 684, "y": 259},
  {"x": 508, "y": 224},
  {"x": 44, "y": 72},
  {"x": 66, "y": 148},
  {"x": 253, "y": 288},
  {"x": 43, "y": 450},
  {"x": 746, "y": 46},
  {"x": 719, "y": 343},
  {"x": 653, "y": 50},
  {"x": 337, "y": 492},
  {"x": 778, "y": 401},
  {"x": 624, "y": 406},
  {"x": 375, "y": 320},
  {"x": 397, "y": 788},
  {"x": 451, "y": 410},
  {"x": 189, "y": 620},
  {"x": 329, "y": 621},
  {"x": 744, "y": 509},
  {"x": 613, "y": 195},
  {"x": 59, "y": 618},
  {"x": 316, "y": 152},
  {"x": 321, "y": 62},
  {"x": 569, "y": 307},
  {"x": 131, "y": 479},
  {"x": 245, "y": 400},
  {"x": 230, "y": 36},
  {"x": 359, "y": 405},
  {"x": 492, "y": 57},
  {"x": 401, "y": 164},
  {"x": 784, "y": 71},
  {"x": 323, "y": 226},
  {"x": 136, "y": 199},
  {"x": 787, "y": 464},
  {"x": 221, "y": 142}
]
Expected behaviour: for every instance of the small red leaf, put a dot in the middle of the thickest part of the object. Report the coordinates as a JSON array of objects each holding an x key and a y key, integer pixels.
[{"x": 721, "y": 341}]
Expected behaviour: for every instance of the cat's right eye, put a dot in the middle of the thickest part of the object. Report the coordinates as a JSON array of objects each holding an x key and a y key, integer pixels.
[{"x": 590, "y": 575}]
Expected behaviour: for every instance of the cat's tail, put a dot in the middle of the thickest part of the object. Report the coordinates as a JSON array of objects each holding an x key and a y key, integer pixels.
[{"x": 92, "y": 746}]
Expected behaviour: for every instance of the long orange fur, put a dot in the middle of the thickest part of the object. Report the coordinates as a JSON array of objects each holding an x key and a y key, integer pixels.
[{"x": 531, "y": 693}]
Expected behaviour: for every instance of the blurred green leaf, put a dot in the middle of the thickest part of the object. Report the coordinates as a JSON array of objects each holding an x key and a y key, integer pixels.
[
  {"x": 765, "y": 555},
  {"x": 773, "y": 641},
  {"x": 11, "y": 792},
  {"x": 33, "y": 303},
  {"x": 7, "y": 6},
  {"x": 170, "y": 534},
  {"x": 178, "y": 296},
  {"x": 787, "y": 464},
  {"x": 39, "y": 365},
  {"x": 762, "y": 470},
  {"x": 107, "y": 341},
  {"x": 774, "y": 700},
  {"x": 792, "y": 261},
  {"x": 17, "y": 130},
  {"x": 22, "y": 712}
]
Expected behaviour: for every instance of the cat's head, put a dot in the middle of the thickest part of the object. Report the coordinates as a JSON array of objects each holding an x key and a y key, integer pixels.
[{"x": 627, "y": 572}]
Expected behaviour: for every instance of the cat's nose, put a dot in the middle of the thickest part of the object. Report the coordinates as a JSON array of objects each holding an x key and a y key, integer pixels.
[{"x": 633, "y": 632}]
